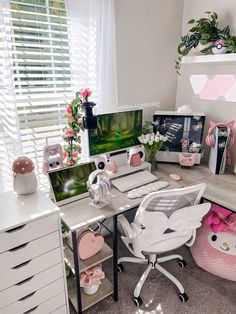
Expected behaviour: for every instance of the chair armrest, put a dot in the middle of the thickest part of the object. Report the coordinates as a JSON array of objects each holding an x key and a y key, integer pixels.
[
  {"x": 192, "y": 240},
  {"x": 126, "y": 226}
]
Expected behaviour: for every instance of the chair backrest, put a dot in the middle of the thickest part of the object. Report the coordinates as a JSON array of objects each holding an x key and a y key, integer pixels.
[
  {"x": 168, "y": 201},
  {"x": 168, "y": 219}
]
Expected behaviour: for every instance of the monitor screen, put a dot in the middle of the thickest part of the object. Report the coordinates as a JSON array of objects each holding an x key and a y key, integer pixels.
[
  {"x": 115, "y": 131},
  {"x": 70, "y": 184}
]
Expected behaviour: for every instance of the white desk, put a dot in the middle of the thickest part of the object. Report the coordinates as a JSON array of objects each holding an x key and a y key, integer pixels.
[{"x": 220, "y": 190}]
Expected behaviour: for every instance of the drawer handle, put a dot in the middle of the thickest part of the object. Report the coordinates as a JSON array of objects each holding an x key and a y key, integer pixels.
[
  {"x": 24, "y": 281},
  {"x": 27, "y": 296},
  {"x": 15, "y": 229},
  {"x": 19, "y": 247},
  {"x": 32, "y": 310},
  {"x": 21, "y": 265}
]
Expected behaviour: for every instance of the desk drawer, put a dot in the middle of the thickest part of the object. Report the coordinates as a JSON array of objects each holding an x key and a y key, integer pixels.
[
  {"x": 28, "y": 251},
  {"x": 61, "y": 310},
  {"x": 25, "y": 233},
  {"x": 50, "y": 306},
  {"x": 30, "y": 285},
  {"x": 34, "y": 300},
  {"x": 29, "y": 268}
]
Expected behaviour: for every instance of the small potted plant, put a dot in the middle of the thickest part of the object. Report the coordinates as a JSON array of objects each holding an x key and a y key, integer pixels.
[
  {"x": 90, "y": 279},
  {"x": 204, "y": 33}
]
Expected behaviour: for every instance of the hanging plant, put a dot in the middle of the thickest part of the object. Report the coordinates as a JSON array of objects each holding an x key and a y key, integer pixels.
[
  {"x": 74, "y": 126},
  {"x": 204, "y": 31},
  {"x": 71, "y": 135}
]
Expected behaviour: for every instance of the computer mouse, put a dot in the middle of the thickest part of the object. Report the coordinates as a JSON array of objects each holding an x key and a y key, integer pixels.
[{"x": 175, "y": 176}]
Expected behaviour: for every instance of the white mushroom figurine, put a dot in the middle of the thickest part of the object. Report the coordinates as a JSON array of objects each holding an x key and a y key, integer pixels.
[{"x": 24, "y": 178}]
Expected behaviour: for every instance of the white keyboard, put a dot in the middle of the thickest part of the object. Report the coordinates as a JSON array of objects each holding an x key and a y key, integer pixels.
[
  {"x": 146, "y": 189},
  {"x": 133, "y": 180}
]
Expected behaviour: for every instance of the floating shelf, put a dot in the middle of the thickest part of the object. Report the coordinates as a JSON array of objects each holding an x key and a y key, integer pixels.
[
  {"x": 105, "y": 289},
  {"x": 223, "y": 58},
  {"x": 105, "y": 253}
]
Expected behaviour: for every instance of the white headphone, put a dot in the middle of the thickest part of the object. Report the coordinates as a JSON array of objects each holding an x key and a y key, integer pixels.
[{"x": 98, "y": 191}]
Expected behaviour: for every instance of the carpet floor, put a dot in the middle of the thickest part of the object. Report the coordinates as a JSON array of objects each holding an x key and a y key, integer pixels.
[{"x": 207, "y": 293}]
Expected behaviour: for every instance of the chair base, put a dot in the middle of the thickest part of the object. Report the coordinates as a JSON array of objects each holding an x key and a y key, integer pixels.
[{"x": 153, "y": 262}]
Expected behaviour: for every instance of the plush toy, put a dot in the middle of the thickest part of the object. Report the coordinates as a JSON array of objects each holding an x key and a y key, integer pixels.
[
  {"x": 24, "y": 181},
  {"x": 220, "y": 219},
  {"x": 52, "y": 157},
  {"x": 214, "y": 248}
]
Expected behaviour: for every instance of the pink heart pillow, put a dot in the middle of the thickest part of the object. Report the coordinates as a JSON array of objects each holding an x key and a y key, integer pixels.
[{"x": 89, "y": 244}]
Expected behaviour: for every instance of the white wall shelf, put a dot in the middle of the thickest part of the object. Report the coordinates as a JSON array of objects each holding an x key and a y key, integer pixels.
[{"x": 223, "y": 58}]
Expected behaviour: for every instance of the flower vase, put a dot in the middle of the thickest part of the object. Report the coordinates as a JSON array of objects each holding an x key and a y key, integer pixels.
[
  {"x": 91, "y": 289},
  {"x": 152, "y": 161}
]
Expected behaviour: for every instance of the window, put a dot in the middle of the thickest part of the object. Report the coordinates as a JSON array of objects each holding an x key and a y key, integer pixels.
[
  {"x": 48, "y": 50},
  {"x": 41, "y": 73}
]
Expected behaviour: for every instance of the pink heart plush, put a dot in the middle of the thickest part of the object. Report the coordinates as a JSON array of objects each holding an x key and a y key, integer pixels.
[{"x": 89, "y": 244}]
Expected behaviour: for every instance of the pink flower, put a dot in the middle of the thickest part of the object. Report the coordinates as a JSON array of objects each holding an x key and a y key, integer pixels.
[
  {"x": 70, "y": 162},
  {"x": 65, "y": 154},
  {"x": 69, "y": 131},
  {"x": 75, "y": 154},
  {"x": 71, "y": 118},
  {"x": 85, "y": 93},
  {"x": 68, "y": 110}
]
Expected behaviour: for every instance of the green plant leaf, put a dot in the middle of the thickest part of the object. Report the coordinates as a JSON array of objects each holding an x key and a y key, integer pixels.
[{"x": 191, "y": 21}]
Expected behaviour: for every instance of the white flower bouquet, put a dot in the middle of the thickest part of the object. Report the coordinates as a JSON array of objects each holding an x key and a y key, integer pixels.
[{"x": 152, "y": 143}]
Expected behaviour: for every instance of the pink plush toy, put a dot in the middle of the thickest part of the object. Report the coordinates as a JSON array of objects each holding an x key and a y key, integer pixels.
[
  {"x": 220, "y": 219},
  {"x": 214, "y": 249}
]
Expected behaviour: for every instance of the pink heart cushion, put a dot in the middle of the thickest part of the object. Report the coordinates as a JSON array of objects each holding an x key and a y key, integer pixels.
[{"x": 89, "y": 244}]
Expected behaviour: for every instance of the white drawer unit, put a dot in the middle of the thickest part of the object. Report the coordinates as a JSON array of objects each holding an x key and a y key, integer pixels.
[{"x": 32, "y": 273}]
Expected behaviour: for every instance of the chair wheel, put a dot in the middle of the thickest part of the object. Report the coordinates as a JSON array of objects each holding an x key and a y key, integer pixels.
[
  {"x": 182, "y": 263},
  {"x": 138, "y": 301},
  {"x": 183, "y": 297},
  {"x": 120, "y": 268}
]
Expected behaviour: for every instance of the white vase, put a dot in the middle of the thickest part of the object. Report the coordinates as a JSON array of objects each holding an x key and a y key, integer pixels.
[
  {"x": 92, "y": 289},
  {"x": 197, "y": 50}
]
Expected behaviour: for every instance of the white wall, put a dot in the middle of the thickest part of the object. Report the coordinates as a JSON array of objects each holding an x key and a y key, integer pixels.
[
  {"x": 147, "y": 36},
  {"x": 215, "y": 110}
]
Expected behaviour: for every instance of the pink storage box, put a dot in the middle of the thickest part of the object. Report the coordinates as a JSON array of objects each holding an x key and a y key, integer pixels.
[{"x": 215, "y": 251}]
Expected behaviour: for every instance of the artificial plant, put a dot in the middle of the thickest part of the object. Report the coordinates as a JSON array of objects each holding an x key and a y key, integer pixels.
[
  {"x": 74, "y": 125},
  {"x": 231, "y": 44},
  {"x": 204, "y": 31}
]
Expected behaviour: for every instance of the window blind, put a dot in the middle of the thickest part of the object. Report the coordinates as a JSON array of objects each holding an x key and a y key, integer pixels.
[{"x": 38, "y": 33}]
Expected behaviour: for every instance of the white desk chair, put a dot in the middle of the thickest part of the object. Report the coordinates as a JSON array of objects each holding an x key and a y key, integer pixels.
[{"x": 164, "y": 221}]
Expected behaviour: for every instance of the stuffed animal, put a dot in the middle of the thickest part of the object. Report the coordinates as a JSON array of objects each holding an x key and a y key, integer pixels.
[
  {"x": 24, "y": 179},
  {"x": 214, "y": 248},
  {"x": 52, "y": 157}
]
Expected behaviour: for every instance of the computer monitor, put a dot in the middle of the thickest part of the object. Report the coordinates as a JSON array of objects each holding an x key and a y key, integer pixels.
[
  {"x": 115, "y": 131},
  {"x": 70, "y": 184}
]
